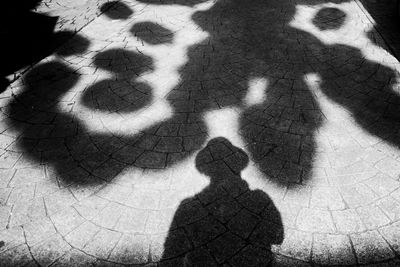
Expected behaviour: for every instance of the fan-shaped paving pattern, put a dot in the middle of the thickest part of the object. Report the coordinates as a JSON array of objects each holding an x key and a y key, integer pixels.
[{"x": 95, "y": 174}]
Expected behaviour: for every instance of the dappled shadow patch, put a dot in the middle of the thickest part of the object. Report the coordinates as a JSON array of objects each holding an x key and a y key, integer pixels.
[
  {"x": 173, "y": 2},
  {"x": 279, "y": 132},
  {"x": 387, "y": 21},
  {"x": 30, "y": 28},
  {"x": 45, "y": 84},
  {"x": 21, "y": 5},
  {"x": 152, "y": 33},
  {"x": 329, "y": 18},
  {"x": 77, "y": 46},
  {"x": 78, "y": 156},
  {"x": 116, "y": 10},
  {"x": 114, "y": 96},
  {"x": 121, "y": 93},
  {"x": 57, "y": 138}
]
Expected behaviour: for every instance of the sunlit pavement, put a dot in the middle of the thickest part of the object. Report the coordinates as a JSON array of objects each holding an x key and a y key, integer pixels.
[{"x": 206, "y": 133}]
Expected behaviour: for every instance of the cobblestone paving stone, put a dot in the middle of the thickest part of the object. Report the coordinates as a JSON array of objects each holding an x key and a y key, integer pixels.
[{"x": 205, "y": 133}]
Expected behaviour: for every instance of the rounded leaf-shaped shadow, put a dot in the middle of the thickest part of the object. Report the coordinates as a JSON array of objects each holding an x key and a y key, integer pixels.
[
  {"x": 116, "y": 10},
  {"x": 226, "y": 211},
  {"x": 152, "y": 33},
  {"x": 122, "y": 61},
  {"x": 329, "y": 18}
]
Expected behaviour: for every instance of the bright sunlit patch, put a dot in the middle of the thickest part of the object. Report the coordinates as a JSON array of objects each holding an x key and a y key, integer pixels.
[{"x": 256, "y": 92}]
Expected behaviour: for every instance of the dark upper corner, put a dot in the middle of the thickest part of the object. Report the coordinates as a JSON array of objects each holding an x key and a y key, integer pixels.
[{"x": 219, "y": 153}]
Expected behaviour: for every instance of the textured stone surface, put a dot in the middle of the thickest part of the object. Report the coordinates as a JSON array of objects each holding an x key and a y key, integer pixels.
[{"x": 220, "y": 133}]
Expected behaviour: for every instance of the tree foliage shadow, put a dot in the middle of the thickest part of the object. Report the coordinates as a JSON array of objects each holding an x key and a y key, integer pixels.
[
  {"x": 27, "y": 37},
  {"x": 120, "y": 93},
  {"x": 152, "y": 33},
  {"x": 56, "y": 137},
  {"x": 173, "y": 2},
  {"x": 226, "y": 222},
  {"x": 330, "y": 18},
  {"x": 245, "y": 42},
  {"x": 387, "y": 20},
  {"x": 116, "y": 10},
  {"x": 250, "y": 41}
]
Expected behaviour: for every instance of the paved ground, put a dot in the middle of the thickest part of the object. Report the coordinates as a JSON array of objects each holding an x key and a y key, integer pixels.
[{"x": 206, "y": 133}]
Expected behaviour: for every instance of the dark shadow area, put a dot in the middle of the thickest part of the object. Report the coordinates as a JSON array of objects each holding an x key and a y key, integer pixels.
[
  {"x": 27, "y": 37},
  {"x": 23, "y": 4},
  {"x": 46, "y": 132},
  {"x": 387, "y": 18},
  {"x": 329, "y": 18},
  {"x": 116, "y": 10},
  {"x": 256, "y": 40},
  {"x": 152, "y": 33},
  {"x": 57, "y": 138},
  {"x": 226, "y": 223},
  {"x": 121, "y": 93}
]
